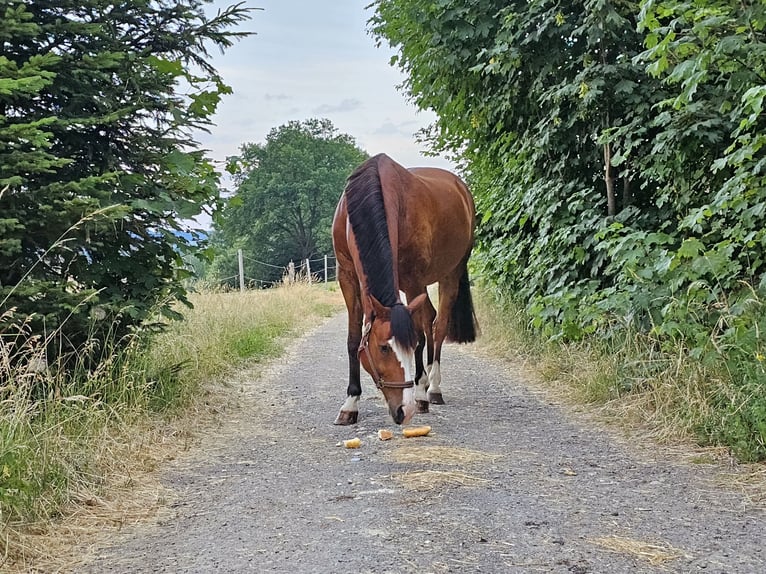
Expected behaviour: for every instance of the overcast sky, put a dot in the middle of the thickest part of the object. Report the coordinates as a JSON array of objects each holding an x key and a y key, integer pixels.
[{"x": 314, "y": 59}]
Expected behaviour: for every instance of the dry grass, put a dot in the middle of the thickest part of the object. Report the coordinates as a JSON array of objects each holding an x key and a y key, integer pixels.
[
  {"x": 648, "y": 395},
  {"x": 429, "y": 478},
  {"x": 208, "y": 337},
  {"x": 655, "y": 554},
  {"x": 451, "y": 456},
  {"x": 123, "y": 489},
  {"x": 750, "y": 480},
  {"x": 65, "y": 543}
]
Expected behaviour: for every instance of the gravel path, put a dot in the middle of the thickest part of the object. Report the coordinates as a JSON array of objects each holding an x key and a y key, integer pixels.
[{"x": 506, "y": 482}]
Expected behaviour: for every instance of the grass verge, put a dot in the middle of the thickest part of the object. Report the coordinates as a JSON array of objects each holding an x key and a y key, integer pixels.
[
  {"x": 657, "y": 390},
  {"x": 72, "y": 447}
]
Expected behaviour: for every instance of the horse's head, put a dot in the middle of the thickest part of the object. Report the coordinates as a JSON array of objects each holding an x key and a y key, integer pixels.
[{"x": 387, "y": 352}]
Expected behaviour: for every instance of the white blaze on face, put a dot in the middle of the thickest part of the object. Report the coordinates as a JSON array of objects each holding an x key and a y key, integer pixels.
[
  {"x": 408, "y": 400},
  {"x": 407, "y": 361}
]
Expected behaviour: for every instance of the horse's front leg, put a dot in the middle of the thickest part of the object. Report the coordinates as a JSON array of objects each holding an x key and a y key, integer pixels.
[
  {"x": 349, "y": 412},
  {"x": 427, "y": 313},
  {"x": 421, "y": 376},
  {"x": 448, "y": 289}
]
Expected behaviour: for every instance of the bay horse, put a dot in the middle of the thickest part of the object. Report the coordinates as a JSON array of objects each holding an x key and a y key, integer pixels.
[{"x": 395, "y": 232}]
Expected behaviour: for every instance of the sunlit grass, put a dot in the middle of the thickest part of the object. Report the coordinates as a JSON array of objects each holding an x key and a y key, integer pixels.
[{"x": 224, "y": 329}]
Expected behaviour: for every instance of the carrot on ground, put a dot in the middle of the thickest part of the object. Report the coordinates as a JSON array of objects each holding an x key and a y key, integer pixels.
[{"x": 416, "y": 431}]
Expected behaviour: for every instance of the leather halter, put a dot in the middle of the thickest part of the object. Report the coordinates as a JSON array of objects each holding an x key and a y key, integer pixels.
[{"x": 380, "y": 383}]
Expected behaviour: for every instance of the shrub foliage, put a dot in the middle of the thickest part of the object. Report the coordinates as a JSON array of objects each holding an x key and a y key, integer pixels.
[{"x": 616, "y": 151}]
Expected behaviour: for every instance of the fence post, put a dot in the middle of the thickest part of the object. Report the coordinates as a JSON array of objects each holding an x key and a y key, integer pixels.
[
  {"x": 291, "y": 272},
  {"x": 325, "y": 269},
  {"x": 308, "y": 271},
  {"x": 241, "y": 262}
]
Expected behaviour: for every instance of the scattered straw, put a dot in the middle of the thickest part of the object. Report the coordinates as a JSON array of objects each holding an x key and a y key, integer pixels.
[
  {"x": 50, "y": 546},
  {"x": 750, "y": 480},
  {"x": 446, "y": 455},
  {"x": 652, "y": 553},
  {"x": 430, "y": 479}
]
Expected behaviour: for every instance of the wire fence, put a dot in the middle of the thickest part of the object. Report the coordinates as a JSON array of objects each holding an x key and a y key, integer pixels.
[{"x": 319, "y": 270}]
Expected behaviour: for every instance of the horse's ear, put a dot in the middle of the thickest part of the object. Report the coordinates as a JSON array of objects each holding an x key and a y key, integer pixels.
[
  {"x": 417, "y": 303},
  {"x": 379, "y": 310}
]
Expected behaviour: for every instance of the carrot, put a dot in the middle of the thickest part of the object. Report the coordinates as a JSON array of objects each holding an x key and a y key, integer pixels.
[{"x": 416, "y": 431}]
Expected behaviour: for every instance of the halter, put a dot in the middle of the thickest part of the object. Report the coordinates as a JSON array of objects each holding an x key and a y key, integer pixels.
[{"x": 381, "y": 384}]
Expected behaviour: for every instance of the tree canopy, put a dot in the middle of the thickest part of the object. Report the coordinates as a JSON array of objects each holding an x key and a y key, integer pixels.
[
  {"x": 98, "y": 164},
  {"x": 286, "y": 192},
  {"x": 615, "y": 148}
]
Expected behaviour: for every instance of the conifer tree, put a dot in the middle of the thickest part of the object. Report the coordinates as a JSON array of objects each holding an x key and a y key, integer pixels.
[{"x": 99, "y": 101}]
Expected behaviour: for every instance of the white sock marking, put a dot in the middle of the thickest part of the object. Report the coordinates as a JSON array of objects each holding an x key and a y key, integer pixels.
[
  {"x": 420, "y": 390},
  {"x": 435, "y": 378},
  {"x": 351, "y": 404}
]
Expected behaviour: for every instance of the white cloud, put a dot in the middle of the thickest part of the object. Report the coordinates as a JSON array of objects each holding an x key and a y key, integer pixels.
[
  {"x": 312, "y": 58},
  {"x": 277, "y": 97},
  {"x": 347, "y": 105}
]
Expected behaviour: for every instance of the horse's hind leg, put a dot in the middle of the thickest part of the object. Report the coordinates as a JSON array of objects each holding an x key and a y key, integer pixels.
[
  {"x": 448, "y": 289},
  {"x": 349, "y": 285},
  {"x": 455, "y": 321},
  {"x": 427, "y": 313}
]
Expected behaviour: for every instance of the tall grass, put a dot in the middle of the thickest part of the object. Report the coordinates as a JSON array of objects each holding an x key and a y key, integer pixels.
[
  {"x": 67, "y": 436},
  {"x": 692, "y": 386}
]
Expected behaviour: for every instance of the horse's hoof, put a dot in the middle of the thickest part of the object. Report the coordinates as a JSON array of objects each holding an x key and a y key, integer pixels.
[
  {"x": 436, "y": 398},
  {"x": 347, "y": 418},
  {"x": 422, "y": 406}
]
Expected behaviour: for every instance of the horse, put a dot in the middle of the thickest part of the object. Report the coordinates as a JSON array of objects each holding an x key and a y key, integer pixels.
[{"x": 396, "y": 231}]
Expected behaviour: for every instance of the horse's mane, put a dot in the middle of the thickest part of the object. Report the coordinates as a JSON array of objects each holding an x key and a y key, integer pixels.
[{"x": 367, "y": 216}]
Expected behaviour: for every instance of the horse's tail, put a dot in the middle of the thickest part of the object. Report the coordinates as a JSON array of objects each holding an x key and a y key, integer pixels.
[{"x": 462, "y": 324}]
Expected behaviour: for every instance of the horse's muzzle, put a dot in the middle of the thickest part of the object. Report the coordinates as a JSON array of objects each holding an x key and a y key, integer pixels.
[{"x": 398, "y": 416}]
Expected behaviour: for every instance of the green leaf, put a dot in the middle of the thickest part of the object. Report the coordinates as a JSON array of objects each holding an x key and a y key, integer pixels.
[
  {"x": 165, "y": 66},
  {"x": 690, "y": 248}
]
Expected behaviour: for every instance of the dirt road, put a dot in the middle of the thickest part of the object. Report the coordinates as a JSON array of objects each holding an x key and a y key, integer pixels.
[{"x": 506, "y": 482}]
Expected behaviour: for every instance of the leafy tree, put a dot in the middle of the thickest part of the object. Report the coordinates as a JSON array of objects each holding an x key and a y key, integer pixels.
[
  {"x": 710, "y": 154},
  {"x": 540, "y": 99},
  {"x": 98, "y": 166},
  {"x": 711, "y": 57},
  {"x": 287, "y": 189},
  {"x": 616, "y": 149}
]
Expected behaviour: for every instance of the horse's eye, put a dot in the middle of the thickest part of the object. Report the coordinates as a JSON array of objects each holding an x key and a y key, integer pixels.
[{"x": 384, "y": 349}]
